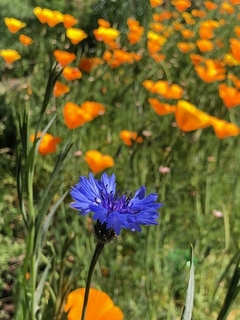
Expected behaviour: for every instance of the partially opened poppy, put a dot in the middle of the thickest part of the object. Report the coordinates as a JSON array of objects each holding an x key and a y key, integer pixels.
[
  {"x": 204, "y": 45},
  {"x": 64, "y": 57},
  {"x": 93, "y": 108},
  {"x": 48, "y": 143},
  {"x": 74, "y": 116},
  {"x": 161, "y": 108},
  {"x": 235, "y": 47},
  {"x": 75, "y": 35},
  {"x": 10, "y": 55},
  {"x": 224, "y": 129},
  {"x": 190, "y": 118},
  {"x": 181, "y": 5},
  {"x": 129, "y": 136},
  {"x": 69, "y": 21},
  {"x": 25, "y": 40},
  {"x": 97, "y": 161},
  {"x": 155, "y": 3},
  {"x": 60, "y": 89},
  {"x": 212, "y": 71},
  {"x": 185, "y": 46},
  {"x": 14, "y": 25},
  {"x": 100, "y": 306},
  {"x": 71, "y": 74},
  {"x": 229, "y": 95}
]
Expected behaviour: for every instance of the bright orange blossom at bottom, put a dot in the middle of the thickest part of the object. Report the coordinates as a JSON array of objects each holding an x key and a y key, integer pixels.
[
  {"x": 100, "y": 306},
  {"x": 97, "y": 161},
  {"x": 48, "y": 143}
]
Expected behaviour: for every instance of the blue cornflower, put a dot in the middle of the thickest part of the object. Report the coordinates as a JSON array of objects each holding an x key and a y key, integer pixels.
[{"x": 112, "y": 210}]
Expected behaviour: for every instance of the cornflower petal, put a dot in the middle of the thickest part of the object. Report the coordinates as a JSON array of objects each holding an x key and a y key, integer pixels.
[{"x": 111, "y": 209}]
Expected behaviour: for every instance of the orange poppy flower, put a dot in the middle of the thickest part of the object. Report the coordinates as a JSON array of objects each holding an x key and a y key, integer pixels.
[
  {"x": 64, "y": 57},
  {"x": 185, "y": 46},
  {"x": 74, "y": 116},
  {"x": 104, "y": 23},
  {"x": 212, "y": 71},
  {"x": 226, "y": 8},
  {"x": 190, "y": 118},
  {"x": 75, "y": 35},
  {"x": 48, "y": 143},
  {"x": 155, "y": 3},
  {"x": 148, "y": 84},
  {"x": 107, "y": 35},
  {"x": 60, "y": 89},
  {"x": 198, "y": 13},
  {"x": 224, "y": 129},
  {"x": 129, "y": 136},
  {"x": 204, "y": 45},
  {"x": 235, "y": 80},
  {"x": 210, "y": 5},
  {"x": 98, "y": 162},
  {"x": 52, "y": 18},
  {"x": 158, "y": 57},
  {"x": 10, "y": 55},
  {"x": 181, "y": 5},
  {"x": 187, "y": 34},
  {"x": 71, "y": 74},
  {"x": 161, "y": 108},
  {"x": 229, "y": 60},
  {"x": 206, "y": 30},
  {"x": 167, "y": 91},
  {"x": 135, "y": 31},
  {"x": 234, "y": 2},
  {"x": 87, "y": 64},
  {"x": 14, "y": 25},
  {"x": 155, "y": 42},
  {"x": 93, "y": 108},
  {"x": 69, "y": 21},
  {"x": 235, "y": 47},
  {"x": 230, "y": 95},
  {"x": 100, "y": 306},
  {"x": 162, "y": 16},
  {"x": 196, "y": 58},
  {"x": 25, "y": 40}
]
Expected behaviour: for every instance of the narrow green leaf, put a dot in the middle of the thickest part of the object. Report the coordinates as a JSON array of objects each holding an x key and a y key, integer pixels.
[
  {"x": 232, "y": 293},
  {"x": 40, "y": 287},
  {"x": 188, "y": 308}
]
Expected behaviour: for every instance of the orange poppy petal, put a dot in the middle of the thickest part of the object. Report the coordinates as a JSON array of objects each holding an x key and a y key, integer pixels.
[
  {"x": 224, "y": 129},
  {"x": 161, "y": 108},
  {"x": 74, "y": 116},
  {"x": 48, "y": 143},
  {"x": 190, "y": 118},
  {"x": 97, "y": 161}
]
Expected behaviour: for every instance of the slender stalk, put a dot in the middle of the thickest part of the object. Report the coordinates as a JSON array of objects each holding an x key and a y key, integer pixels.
[{"x": 96, "y": 254}]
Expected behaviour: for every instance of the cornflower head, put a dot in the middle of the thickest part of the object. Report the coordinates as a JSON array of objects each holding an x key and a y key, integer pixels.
[{"x": 113, "y": 211}]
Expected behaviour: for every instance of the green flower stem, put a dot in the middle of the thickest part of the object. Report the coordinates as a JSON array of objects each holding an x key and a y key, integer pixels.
[{"x": 96, "y": 254}]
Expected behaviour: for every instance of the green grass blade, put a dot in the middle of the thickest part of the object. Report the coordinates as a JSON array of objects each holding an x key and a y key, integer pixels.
[{"x": 188, "y": 308}]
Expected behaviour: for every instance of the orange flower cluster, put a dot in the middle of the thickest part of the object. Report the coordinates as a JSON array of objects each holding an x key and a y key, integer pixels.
[
  {"x": 129, "y": 136},
  {"x": 98, "y": 300},
  {"x": 207, "y": 27},
  {"x": 119, "y": 57},
  {"x": 54, "y": 17},
  {"x": 75, "y": 116},
  {"x": 48, "y": 143},
  {"x": 163, "y": 88},
  {"x": 135, "y": 31},
  {"x": 97, "y": 161},
  {"x": 155, "y": 42},
  {"x": 106, "y": 34}
]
